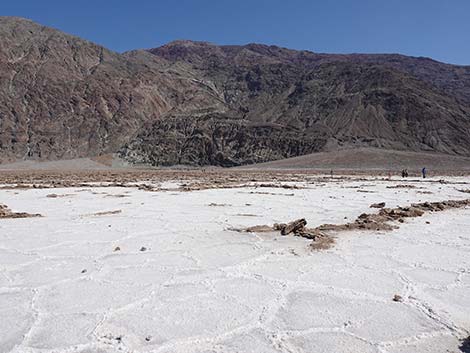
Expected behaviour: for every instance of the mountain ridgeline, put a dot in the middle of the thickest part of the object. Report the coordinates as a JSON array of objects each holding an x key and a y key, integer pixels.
[{"x": 196, "y": 103}]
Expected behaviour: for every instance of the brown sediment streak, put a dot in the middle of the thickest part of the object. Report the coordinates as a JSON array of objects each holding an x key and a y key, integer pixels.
[
  {"x": 402, "y": 186},
  {"x": 104, "y": 213}
]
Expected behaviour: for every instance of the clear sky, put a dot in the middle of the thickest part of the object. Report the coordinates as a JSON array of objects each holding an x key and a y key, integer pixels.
[{"x": 434, "y": 28}]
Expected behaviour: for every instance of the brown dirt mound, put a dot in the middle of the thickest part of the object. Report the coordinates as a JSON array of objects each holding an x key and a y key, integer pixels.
[
  {"x": 297, "y": 228},
  {"x": 5, "y": 212},
  {"x": 378, "y": 205},
  {"x": 383, "y": 220}
]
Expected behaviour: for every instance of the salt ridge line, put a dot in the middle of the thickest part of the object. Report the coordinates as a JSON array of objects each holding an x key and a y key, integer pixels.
[{"x": 321, "y": 235}]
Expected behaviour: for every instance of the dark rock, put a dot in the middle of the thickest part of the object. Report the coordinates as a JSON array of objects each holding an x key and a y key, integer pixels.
[
  {"x": 294, "y": 227},
  {"x": 397, "y": 298},
  {"x": 378, "y": 205},
  {"x": 465, "y": 346}
]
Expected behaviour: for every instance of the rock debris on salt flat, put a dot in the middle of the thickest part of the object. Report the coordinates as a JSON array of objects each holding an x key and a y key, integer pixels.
[{"x": 200, "y": 287}]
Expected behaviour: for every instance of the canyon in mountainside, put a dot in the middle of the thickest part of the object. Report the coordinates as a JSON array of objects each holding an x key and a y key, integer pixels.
[{"x": 196, "y": 103}]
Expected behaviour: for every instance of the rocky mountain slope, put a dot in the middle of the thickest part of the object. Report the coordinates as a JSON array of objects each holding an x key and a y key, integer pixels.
[
  {"x": 198, "y": 103},
  {"x": 63, "y": 97}
]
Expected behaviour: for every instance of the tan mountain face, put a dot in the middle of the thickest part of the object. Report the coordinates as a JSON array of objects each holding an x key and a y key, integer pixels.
[{"x": 198, "y": 103}]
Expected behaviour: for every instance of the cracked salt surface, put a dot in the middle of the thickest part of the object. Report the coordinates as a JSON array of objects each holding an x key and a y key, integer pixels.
[{"x": 200, "y": 287}]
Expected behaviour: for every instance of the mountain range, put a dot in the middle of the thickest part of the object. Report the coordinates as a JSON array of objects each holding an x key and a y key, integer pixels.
[{"x": 197, "y": 103}]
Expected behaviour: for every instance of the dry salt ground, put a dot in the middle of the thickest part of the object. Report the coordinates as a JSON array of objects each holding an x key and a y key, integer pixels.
[{"x": 199, "y": 287}]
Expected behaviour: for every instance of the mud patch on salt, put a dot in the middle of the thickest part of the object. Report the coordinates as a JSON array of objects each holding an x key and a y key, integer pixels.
[
  {"x": 383, "y": 220},
  {"x": 5, "y": 212}
]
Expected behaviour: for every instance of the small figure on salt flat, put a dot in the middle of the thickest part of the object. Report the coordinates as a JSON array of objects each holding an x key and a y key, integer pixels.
[{"x": 424, "y": 171}]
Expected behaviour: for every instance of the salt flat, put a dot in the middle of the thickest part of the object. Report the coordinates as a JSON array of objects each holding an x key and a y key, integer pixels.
[{"x": 167, "y": 273}]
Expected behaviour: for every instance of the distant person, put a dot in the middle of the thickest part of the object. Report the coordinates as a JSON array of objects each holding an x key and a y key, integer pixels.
[
  {"x": 403, "y": 173},
  {"x": 406, "y": 173},
  {"x": 424, "y": 172}
]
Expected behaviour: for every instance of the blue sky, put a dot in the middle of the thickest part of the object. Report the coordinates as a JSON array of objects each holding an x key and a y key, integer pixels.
[{"x": 432, "y": 28}]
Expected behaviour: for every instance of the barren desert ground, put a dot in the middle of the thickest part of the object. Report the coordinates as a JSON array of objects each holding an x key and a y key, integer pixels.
[{"x": 108, "y": 261}]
